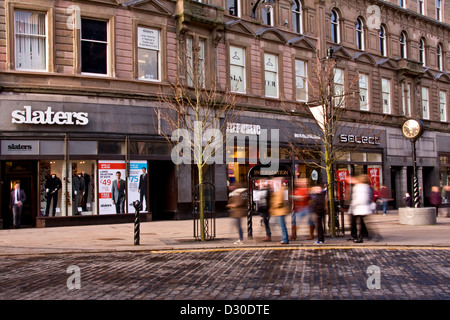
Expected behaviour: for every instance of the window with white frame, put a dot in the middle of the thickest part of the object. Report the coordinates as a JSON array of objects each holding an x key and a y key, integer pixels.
[
  {"x": 359, "y": 34},
  {"x": 364, "y": 92},
  {"x": 338, "y": 87},
  {"x": 422, "y": 57},
  {"x": 271, "y": 75},
  {"x": 297, "y": 19},
  {"x": 382, "y": 40},
  {"x": 386, "y": 95},
  {"x": 443, "y": 106},
  {"x": 30, "y": 43},
  {"x": 421, "y": 7},
  {"x": 335, "y": 36},
  {"x": 440, "y": 61},
  {"x": 94, "y": 46},
  {"x": 425, "y": 103},
  {"x": 148, "y": 53},
  {"x": 406, "y": 99},
  {"x": 301, "y": 81},
  {"x": 439, "y": 10},
  {"x": 237, "y": 69},
  {"x": 402, "y": 3},
  {"x": 234, "y": 7},
  {"x": 267, "y": 14},
  {"x": 195, "y": 62},
  {"x": 403, "y": 48}
]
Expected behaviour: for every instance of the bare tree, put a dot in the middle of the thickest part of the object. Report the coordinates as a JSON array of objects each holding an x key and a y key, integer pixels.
[
  {"x": 195, "y": 110},
  {"x": 335, "y": 109}
]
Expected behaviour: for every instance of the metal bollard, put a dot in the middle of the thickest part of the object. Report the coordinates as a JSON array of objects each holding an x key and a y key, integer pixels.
[{"x": 137, "y": 206}]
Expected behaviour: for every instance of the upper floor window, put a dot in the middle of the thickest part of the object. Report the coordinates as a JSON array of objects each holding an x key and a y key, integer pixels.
[
  {"x": 30, "y": 40},
  {"x": 267, "y": 13},
  {"x": 402, "y": 3},
  {"x": 386, "y": 95},
  {"x": 443, "y": 106},
  {"x": 148, "y": 54},
  {"x": 439, "y": 10},
  {"x": 403, "y": 48},
  {"x": 195, "y": 63},
  {"x": 234, "y": 7},
  {"x": 421, "y": 7},
  {"x": 338, "y": 82},
  {"x": 237, "y": 69},
  {"x": 422, "y": 57},
  {"x": 297, "y": 19},
  {"x": 440, "y": 61},
  {"x": 425, "y": 103},
  {"x": 364, "y": 92},
  {"x": 406, "y": 99},
  {"x": 94, "y": 46},
  {"x": 335, "y": 36},
  {"x": 382, "y": 40},
  {"x": 359, "y": 34},
  {"x": 301, "y": 81},
  {"x": 271, "y": 75}
]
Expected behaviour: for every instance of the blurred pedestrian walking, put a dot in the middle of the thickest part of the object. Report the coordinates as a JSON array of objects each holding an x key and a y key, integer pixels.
[
  {"x": 435, "y": 198},
  {"x": 385, "y": 195},
  {"x": 16, "y": 200},
  {"x": 360, "y": 204},
  {"x": 263, "y": 208},
  {"x": 238, "y": 207},
  {"x": 278, "y": 207},
  {"x": 302, "y": 207},
  {"x": 318, "y": 206}
]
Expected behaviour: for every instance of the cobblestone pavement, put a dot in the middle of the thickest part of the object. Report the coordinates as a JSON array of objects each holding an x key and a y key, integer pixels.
[{"x": 287, "y": 273}]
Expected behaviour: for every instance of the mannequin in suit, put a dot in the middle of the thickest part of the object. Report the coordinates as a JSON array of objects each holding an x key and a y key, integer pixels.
[
  {"x": 142, "y": 189},
  {"x": 52, "y": 185},
  {"x": 17, "y": 198},
  {"x": 118, "y": 193}
]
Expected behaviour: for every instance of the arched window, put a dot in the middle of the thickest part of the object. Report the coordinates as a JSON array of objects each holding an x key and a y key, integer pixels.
[
  {"x": 359, "y": 34},
  {"x": 267, "y": 12},
  {"x": 335, "y": 37},
  {"x": 297, "y": 20},
  {"x": 422, "y": 57},
  {"x": 382, "y": 40},
  {"x": 403, "y": 49},
  {"x": 440, "y": 63}
]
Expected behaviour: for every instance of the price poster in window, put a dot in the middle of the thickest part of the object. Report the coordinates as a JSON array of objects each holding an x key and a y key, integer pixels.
[
  {"x": 106, "y": 175},
  {"x": 133, "y": 184}
]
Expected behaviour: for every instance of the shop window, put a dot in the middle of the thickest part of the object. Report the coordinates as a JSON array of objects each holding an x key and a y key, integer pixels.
[
  {"x": 386, "y": 95},
  {"x": 339, "y": 87},
  {"x": 425, "y": 103},
  {"x": 83, "y": 187},
  {"x": 237, "y": 69},
  {"x": 148, "y": 54},
  {"x": 30, "y": 40},
  {"x": 110, "y": 147},
  {"x": 94, "y": 46},
  {"x": 443, "y": 106},
  {"x": 271, "y": 75},
  {"x": 364, "y": 94},
  {"x": 301, "y": 81}
]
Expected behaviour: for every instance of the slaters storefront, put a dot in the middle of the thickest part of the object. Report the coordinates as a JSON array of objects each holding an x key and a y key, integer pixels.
[{"x": 76, "y": 148}]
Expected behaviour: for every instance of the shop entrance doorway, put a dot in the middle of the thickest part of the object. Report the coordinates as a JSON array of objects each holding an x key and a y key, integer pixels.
[
  {"x": 163, "y": 193},
  {"x": 24, "y": 172}
]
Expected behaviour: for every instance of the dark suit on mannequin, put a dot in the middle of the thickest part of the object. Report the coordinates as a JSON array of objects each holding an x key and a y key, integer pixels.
[
  {"x": 16, "y": 200},
  {"x": 118, "y": 193},
  {"x": 78, "y": 191},
  {"x": 52, "y": 185},
  {"x": 143, "y": 188}
]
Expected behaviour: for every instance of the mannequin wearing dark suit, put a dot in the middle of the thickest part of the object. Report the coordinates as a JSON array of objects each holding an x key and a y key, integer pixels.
[
  {"x": 142, "y": 189},
  {"x": 78, "y": 191},
  {"x": 16, "y": 200},
  {"x": 52, "y": 185},
  {"x": 118, "y": 193}
]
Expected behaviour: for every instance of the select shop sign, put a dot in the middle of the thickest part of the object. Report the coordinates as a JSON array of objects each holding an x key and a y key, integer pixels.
[{"x": 48, "y": 117}]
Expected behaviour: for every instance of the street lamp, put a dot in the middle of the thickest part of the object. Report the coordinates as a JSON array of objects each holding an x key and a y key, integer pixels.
[{"x": 412, "y": 129}]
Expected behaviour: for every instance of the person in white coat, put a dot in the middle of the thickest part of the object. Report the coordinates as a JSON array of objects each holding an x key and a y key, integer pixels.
[{"x": 360, "y": 203}]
